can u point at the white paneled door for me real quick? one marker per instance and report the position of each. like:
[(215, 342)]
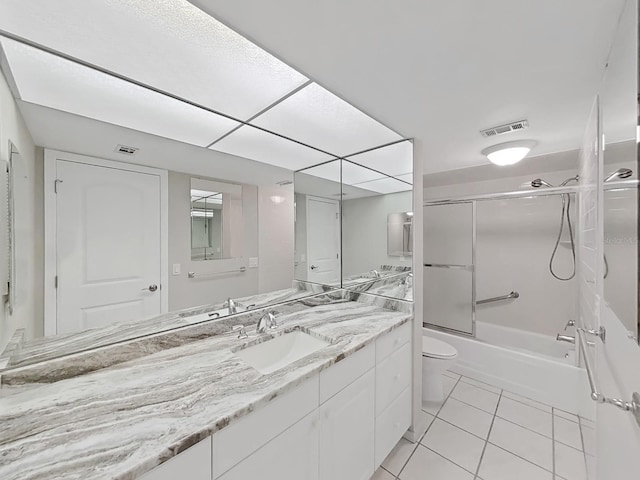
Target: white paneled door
[(108, 245), (323, 240)]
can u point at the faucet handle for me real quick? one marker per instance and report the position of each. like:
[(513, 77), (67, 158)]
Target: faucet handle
[(273, 323), (242, 329), (570, 323)]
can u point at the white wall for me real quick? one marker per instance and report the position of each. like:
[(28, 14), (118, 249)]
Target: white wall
[(301, 237), (364, 231), (28, 310)]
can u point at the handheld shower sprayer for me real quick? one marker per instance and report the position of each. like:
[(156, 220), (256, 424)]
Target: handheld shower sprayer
[(620, 173)]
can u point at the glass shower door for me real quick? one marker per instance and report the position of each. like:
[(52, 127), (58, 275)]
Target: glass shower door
[(449, 266)]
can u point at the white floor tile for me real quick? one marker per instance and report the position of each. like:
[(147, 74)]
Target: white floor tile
[(527, 401), (425, 464), (525, 416), (468, 418), (476, 396), (431, 408), (588, 440), (570, 463), (455, 444), (477, 383), (565, 415), (567, 432), (382, 474), (498, 464), (399, 456), (424, 422), (523, 442), (447, 385)]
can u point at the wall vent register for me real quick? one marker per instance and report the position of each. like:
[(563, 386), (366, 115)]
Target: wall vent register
[(508, 128), (126, 150)]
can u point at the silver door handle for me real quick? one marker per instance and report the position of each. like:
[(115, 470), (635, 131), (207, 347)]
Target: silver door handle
[(151, 288), (313, 267)]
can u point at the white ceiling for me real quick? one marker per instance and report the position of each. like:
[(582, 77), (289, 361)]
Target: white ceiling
[(441, 71), (176, 48)]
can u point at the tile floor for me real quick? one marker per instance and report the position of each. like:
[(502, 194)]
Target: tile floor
[(481, 432)]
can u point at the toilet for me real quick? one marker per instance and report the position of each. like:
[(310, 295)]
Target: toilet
[(437, 356)]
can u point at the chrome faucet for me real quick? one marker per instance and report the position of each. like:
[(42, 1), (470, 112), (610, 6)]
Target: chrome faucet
[(268, 320), (570, 323), (376, 274), (242, 332), (565, 338), (231, 305)]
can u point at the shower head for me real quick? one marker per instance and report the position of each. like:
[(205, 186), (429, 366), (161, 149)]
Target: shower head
[(572, 179), (620, 173), (538, 182)]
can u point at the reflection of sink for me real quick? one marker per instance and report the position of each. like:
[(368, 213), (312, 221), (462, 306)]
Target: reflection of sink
[(279, 352)]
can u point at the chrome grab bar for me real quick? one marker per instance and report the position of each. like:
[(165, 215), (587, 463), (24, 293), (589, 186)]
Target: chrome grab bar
[(633, 406), (196, 275), (513, 294)]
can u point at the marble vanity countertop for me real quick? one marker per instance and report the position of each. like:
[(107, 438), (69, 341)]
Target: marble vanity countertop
[(122, 421), (47, 348)]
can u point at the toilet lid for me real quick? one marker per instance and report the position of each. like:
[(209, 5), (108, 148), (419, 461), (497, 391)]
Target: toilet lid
[(432, 347)]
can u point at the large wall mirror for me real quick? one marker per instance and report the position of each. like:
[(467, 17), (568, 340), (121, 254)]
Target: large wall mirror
[(620, 187), (216, 220), (375, 227), (216, 154)]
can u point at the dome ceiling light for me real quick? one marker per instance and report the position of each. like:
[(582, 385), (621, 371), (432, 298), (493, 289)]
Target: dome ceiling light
[(508, 153)]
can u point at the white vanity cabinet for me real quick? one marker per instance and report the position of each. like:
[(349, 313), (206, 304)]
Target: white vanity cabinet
[(338, 425), (192, 464), (347, 432)]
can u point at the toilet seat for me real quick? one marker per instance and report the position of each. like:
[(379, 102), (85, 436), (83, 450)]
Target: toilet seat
[(434, 348)]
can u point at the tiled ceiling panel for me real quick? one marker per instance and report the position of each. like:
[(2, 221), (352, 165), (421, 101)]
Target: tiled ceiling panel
[(385, 185), (169, 44), (317, 117), (394, 160), (53, 82), (255, 144)]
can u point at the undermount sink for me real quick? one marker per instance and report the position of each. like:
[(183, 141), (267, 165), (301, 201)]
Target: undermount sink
[(274, 354)]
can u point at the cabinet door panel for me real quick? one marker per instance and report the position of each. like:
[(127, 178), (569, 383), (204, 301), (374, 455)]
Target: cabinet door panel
[(347, 432), (292, 455), (193, 464), (392, 424)]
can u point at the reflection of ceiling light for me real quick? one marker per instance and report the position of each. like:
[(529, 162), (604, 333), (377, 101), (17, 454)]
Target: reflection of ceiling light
[(277, 199), (409, 214), (508, 153)]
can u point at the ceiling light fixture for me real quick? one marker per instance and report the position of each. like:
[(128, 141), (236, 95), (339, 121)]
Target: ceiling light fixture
[(508, 153)]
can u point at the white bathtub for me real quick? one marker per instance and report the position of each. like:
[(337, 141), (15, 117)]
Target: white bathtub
[(533, 367)]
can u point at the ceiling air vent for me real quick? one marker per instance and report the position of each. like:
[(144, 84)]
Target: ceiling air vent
[(284, 183), (502, 129), (125, 150)]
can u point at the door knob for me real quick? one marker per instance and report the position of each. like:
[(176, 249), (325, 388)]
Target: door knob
[(313, 267), (152, 288)]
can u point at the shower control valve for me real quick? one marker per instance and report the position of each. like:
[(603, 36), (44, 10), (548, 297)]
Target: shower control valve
[(570, 323)]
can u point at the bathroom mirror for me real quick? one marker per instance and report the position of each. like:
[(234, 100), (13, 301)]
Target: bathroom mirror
[(400, 234), (318, 256), (223, 183), (377, 233), (620, 182), (216, 220)]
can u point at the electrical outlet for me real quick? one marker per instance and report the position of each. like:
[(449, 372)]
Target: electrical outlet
[(253, 262)]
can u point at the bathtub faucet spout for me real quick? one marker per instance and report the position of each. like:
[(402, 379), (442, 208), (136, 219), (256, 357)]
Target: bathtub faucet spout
[(566, 338)]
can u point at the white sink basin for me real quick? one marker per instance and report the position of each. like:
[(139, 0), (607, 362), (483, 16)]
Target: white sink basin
[(279, 352)]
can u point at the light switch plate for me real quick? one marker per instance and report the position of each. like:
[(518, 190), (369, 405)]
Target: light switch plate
[(176, 269), (253, 262)]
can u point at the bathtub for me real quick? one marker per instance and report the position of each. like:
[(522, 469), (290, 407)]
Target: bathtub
[(525, 363)]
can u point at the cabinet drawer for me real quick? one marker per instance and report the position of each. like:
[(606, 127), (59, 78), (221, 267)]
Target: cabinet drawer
[(389, 343), (391, 425), (347, 371), (241, 438), (194, 463), (393, 375)]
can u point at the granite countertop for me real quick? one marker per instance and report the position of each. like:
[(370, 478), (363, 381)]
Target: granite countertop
[(123, 420)]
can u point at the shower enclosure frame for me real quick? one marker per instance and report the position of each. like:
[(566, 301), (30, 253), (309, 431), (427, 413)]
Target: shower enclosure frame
[(499, 196)]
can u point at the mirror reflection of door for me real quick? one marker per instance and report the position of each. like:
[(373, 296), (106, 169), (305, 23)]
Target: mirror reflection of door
[(323, 240), (107, 245)]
